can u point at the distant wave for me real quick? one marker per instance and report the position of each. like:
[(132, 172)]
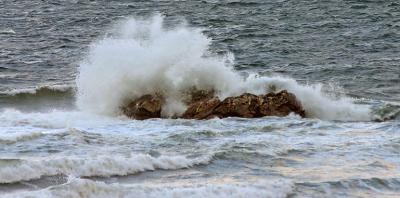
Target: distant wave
[(141, 57), (39, 90), (43, 92), (7, 31), (3, 69)]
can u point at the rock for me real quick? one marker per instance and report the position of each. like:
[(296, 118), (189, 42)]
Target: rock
[(281, 104), (145, 107), (246, 106), (202, 109), (204, 105)]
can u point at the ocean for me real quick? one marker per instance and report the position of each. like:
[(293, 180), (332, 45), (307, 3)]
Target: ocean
[(67, 67)]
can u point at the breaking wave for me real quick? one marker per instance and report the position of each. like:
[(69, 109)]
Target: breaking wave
[(39, 91), (103, 166), (43, 92), (14, 138), (39, 97), (7, 31), (86, 188), (141, 56)]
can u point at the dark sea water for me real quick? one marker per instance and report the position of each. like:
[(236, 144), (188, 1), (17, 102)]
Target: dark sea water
[(66, 67)]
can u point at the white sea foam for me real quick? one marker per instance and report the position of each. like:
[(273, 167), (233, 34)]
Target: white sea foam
[(18, 137), (87, 188), (13, 121), (28, 169), (142, 57)]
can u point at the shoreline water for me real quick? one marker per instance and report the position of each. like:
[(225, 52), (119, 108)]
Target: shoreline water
[(66, 67)]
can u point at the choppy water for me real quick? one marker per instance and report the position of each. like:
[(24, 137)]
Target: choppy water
[(66, 66)]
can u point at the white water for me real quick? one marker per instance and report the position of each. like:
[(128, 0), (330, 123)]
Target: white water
[(28, 169), (91, 145), (49, 148), (87, 188), (141, 57)]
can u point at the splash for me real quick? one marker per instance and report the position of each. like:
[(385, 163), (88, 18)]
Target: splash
[(142, 57)]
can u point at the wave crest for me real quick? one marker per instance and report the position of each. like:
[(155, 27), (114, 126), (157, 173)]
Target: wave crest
[(39, 92), (39, 97), (23, 170)]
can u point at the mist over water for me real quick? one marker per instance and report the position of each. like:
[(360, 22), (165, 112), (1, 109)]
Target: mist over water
[(67, 67)]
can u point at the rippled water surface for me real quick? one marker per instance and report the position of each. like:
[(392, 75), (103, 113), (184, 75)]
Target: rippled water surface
[(65, 66)]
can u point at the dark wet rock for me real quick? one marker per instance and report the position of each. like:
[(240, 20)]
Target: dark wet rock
[(202, 109), (281, 104), (204, 105), (246, 106), (145, 107)]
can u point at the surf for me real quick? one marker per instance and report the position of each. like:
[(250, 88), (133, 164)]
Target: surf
[(141, 56)]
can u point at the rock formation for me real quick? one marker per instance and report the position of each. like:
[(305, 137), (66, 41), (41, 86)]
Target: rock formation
[(246, 106), (145, 107), (202, 109), (204, 105)]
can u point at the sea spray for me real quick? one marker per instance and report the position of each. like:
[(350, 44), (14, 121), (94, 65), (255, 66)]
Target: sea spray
[(146, 59), (142, 57)]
